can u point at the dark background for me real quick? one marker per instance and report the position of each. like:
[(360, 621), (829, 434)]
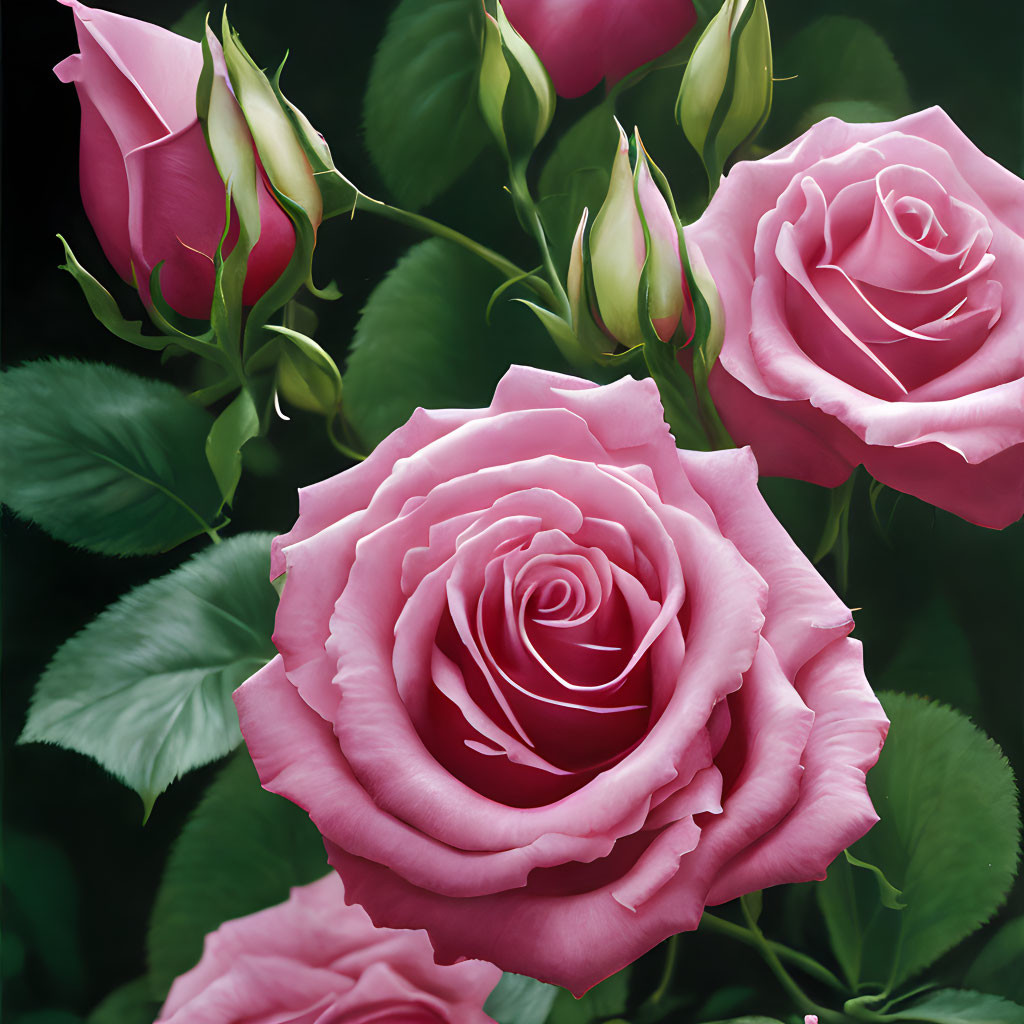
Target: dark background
[(80, 863)]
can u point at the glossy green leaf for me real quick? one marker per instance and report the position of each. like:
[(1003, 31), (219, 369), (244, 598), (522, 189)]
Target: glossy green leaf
[(241, 851), (517, 999), (958, 1006), (998, 966), (102, 459), (145, 688), (423, 340), (423, 121), (836, 66), (952, 853), (132, 1003)]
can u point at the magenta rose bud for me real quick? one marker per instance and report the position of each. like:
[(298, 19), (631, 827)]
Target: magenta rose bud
[(313, 958), (149, 184), (582, 41), (549, 686), (870, 275)]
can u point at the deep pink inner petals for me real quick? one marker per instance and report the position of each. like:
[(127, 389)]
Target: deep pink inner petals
[(888, 281), (540, 676)]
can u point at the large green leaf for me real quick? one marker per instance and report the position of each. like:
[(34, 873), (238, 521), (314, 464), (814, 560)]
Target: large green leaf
[(146, 687), (998, 967), (836, 65), (517, 999), (956, 1006), (102, 459), (947, 839), (241, 851), (423, 123), (423, 340)]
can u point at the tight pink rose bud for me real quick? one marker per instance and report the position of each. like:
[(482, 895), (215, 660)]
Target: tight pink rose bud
[(582, 41), (313, 958), (618, 250), (149, 184)]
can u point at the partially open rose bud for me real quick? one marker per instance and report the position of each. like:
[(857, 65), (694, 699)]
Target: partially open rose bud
[(149, 183), (619, 249)]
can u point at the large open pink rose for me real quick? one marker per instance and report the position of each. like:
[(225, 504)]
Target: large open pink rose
[(548, 686), (580, 42), (870, 276), (313, 959), (149, 184)]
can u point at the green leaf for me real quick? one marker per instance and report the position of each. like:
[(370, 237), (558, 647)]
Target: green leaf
[(517, 999), (958, 1006), (423, 341), (104, 307), (130, 1004), (241, 851), (602, 1002), (145, 688), (888, 894), (238, 423), (423, 123), (842, 67), (951, 854), (102, 459), (998, 966), (576, 175)]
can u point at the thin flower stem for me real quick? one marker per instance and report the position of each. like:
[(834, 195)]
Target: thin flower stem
[(433, 227), (340, 445), (785, 979), (671, 956), (807, 964)]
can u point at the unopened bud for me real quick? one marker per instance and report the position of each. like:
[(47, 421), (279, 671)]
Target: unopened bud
[(516, 94), (726, 92)]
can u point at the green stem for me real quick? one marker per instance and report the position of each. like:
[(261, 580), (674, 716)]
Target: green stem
[(671, 955), (785, 979), (527, 210), (807, 964), (433, 227)]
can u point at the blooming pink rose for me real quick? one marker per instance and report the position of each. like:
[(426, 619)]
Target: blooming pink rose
[(314, 960), (149, 184), (548, 686), (580, 42), (873, 314)]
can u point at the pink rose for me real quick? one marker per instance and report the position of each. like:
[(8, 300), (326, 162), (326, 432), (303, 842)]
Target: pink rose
[(548, 686), (870, 279), (314, 959), (582, 41), (149, 184)]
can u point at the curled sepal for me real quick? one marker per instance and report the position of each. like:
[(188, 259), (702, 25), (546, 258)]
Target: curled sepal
[(104, 306), (337, 193), (280, 149), (516, 95), (726, 92)]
